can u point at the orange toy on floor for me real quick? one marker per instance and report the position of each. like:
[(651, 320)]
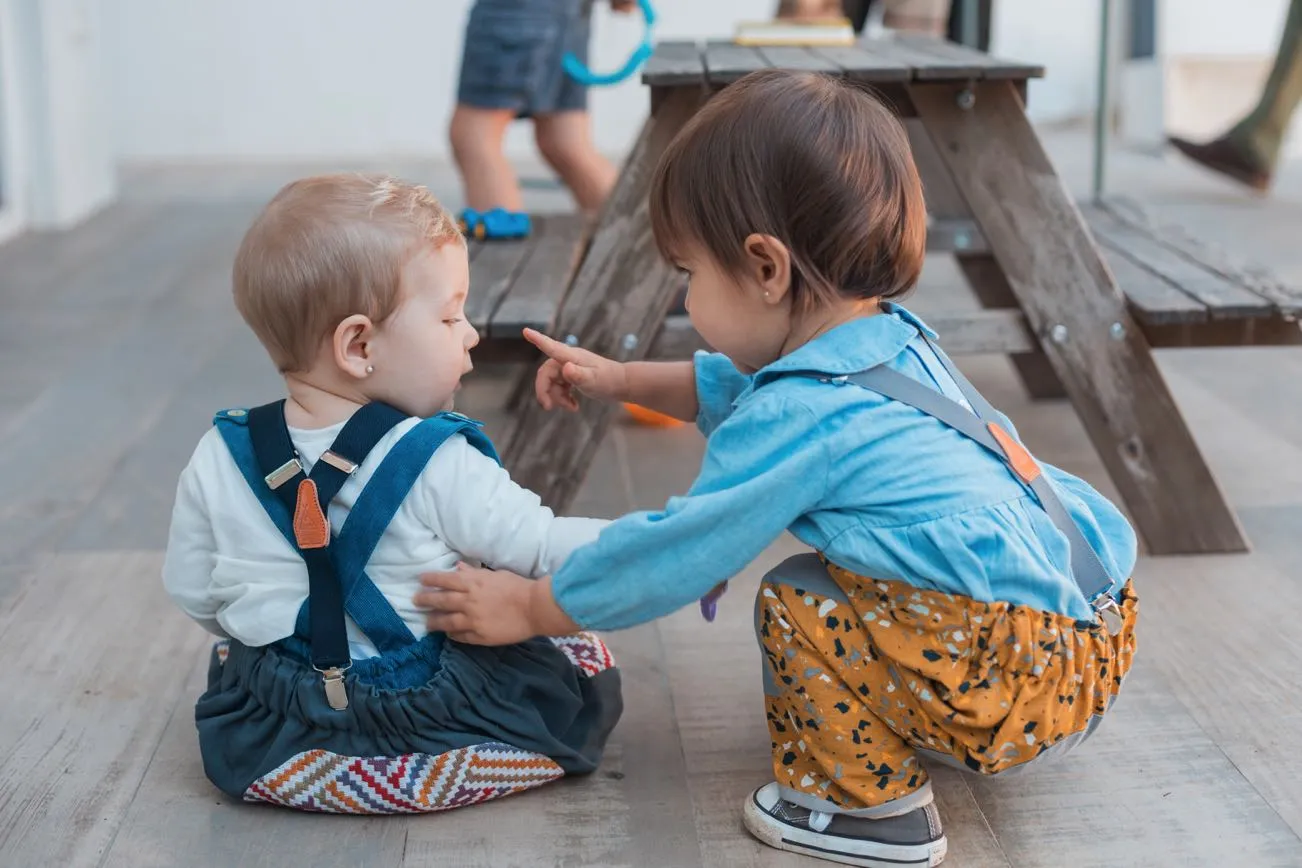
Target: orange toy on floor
[(643, 416)]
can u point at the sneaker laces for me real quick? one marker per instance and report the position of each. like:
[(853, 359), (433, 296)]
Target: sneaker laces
[(817, 821)]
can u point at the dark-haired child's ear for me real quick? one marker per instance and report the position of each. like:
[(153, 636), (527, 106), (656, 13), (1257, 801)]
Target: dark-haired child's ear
[(351, 344), (769, 264)]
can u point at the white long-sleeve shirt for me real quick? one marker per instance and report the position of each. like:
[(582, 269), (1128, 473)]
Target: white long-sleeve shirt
[(231, 569)]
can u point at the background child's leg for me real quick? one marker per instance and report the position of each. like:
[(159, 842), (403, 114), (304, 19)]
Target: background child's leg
[(565, 141), (487, 177)]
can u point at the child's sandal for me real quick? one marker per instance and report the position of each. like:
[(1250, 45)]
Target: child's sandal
[(494, 224)]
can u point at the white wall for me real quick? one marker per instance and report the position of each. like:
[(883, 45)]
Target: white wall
[(1065, 40), (55, 112), (329, 78), (1218, 28), (274, 79)]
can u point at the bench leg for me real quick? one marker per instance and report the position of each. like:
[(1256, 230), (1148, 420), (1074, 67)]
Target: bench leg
[(991, 287), (615, 306), (945, 202), (1057, 276)]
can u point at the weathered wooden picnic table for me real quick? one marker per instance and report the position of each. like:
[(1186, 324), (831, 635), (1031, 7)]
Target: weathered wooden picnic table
[(994, 201)]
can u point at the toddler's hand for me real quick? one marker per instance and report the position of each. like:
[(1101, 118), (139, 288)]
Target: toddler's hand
[(568, 368), (479, 606)]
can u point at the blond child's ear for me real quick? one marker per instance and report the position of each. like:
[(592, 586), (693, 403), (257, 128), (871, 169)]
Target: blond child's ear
[(351, 346), (769, 266)]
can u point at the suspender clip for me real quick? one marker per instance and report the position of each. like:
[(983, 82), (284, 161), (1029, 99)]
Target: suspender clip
[(1109, 613), (335, 690), (282, 474), (338, 462)]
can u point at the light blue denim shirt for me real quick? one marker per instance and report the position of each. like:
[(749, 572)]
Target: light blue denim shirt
[(880, 488)]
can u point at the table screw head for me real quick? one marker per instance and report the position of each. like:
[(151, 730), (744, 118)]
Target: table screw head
[(1058, 334), (966, 99)]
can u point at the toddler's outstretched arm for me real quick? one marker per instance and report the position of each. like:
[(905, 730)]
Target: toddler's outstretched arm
[(666, 387)]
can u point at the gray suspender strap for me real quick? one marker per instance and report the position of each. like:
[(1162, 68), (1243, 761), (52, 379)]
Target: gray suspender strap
[(982, 425)]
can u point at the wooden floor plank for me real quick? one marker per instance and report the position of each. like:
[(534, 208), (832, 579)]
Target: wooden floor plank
[(1149, 788), (56, 310), (179, 818), (1244, 407), (632, 811), (89, 699), (133, 507), (56, 463), (39, 263), (1240, 695), (1246, 383)]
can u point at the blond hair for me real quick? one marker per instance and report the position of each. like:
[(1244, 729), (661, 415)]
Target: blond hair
[(326, 248)]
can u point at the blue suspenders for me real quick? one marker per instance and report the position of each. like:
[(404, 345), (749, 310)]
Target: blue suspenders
[(982, 424), (259, 442)]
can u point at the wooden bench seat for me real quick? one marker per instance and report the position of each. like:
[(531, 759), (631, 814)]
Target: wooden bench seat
[(1181, 291), (519, 284), (1186, 292)]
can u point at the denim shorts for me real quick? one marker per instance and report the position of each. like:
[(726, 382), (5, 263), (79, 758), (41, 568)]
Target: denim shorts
[(512, 55)]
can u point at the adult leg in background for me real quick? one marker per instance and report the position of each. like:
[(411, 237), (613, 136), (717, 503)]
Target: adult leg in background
[(1248, 153)]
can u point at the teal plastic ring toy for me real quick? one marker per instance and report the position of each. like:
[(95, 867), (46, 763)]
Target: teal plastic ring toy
[(578, 71)]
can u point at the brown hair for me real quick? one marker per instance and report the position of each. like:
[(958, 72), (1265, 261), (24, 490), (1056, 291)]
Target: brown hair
[(326, 248), (819, 164)]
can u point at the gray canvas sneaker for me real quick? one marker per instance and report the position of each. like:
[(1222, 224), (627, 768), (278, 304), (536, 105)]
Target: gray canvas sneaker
[(912, 839)]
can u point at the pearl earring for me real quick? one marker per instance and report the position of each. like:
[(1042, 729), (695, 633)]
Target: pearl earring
[(370, 369)]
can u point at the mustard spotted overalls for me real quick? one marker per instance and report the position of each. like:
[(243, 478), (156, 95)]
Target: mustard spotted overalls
[(864, 679)]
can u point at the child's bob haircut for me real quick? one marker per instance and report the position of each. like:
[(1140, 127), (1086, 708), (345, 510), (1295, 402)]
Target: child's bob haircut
[(820, 165), (326, 248)]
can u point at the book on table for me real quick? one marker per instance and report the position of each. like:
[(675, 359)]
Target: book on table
[(821, 31)]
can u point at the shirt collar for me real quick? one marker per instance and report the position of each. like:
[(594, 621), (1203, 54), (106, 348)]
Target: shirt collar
[(851, 347)]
